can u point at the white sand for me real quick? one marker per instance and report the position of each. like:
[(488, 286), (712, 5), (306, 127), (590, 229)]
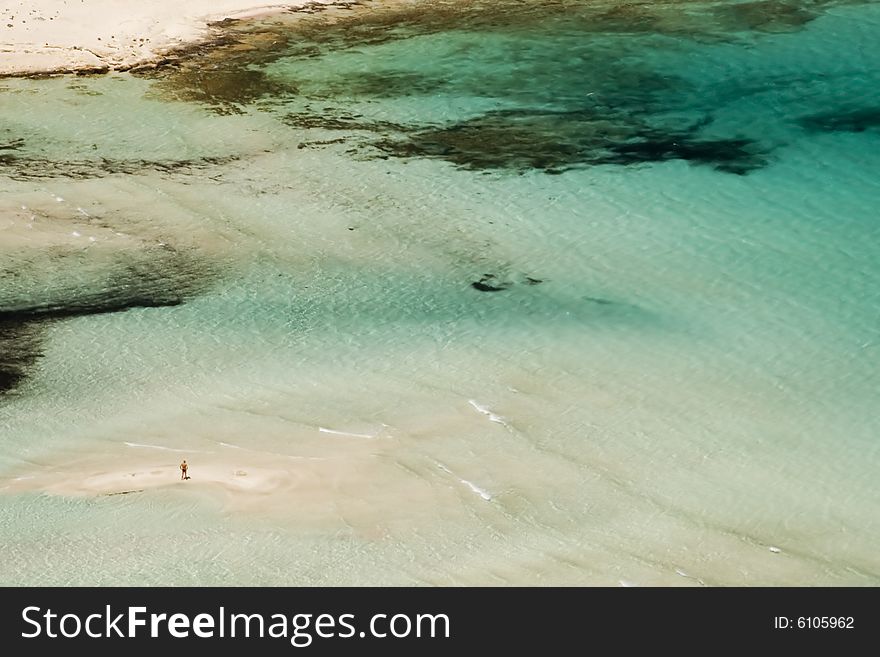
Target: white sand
[(147, 474), (65, 35), (353, 483), (235, 478)]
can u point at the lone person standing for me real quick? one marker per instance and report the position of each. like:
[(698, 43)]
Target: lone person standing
[(183, 470)]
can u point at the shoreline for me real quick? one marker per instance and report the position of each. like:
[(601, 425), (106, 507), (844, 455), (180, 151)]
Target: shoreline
[(102, 36), (231, 477)]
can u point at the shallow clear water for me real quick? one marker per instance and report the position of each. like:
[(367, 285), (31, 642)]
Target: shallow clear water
[(595, 290)]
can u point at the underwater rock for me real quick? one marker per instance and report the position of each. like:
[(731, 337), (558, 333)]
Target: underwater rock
[(854, 120), (488, 283), (555, 141)]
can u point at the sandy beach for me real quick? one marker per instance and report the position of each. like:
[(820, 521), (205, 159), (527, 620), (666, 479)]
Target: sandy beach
[(41, 36), (439, 293)]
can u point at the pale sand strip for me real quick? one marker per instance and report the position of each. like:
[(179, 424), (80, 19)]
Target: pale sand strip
[(105, 476), (235, 480), (353, 483), (38, 36)]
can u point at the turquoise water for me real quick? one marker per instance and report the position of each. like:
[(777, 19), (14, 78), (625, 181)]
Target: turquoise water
[(583, 294)]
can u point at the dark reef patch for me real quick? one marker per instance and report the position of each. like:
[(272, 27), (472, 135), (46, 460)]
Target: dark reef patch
[(91, 305), (568, 74), (19, 350), (320, 143), (83, 89), (768, 15), (495, 283), (556, 141), (739, 156), (489, 283), (328, 119), (153, 278), (7, 150), (551, 141), (224, 73), (21, 328), (21, 166), (853, 120), (222, 88), (227, 73), (680, 18), (64, 282), (377, 84)]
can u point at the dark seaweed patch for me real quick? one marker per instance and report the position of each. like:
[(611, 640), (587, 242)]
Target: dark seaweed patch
[(156, 276), (20, 329), (379, 84), (328, 119), (668, 17), (160, 278), (494, 283), (223, 88), (83, 89), (489, 283), (223, 74), (19, 166), (626, 100), (739, 156), (320, 143), (522, 140), (6, 150), (856, 120), (94, 305), (550, 141), (768, 15), (19, 350), (226, 73)]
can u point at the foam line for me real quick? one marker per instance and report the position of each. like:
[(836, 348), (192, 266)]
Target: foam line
[(482, 492), (346, 433), (488, 413), (479, 491), (164, 449)]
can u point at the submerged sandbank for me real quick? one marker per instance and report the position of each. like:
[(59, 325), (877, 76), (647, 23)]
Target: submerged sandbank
[(699, 346)]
